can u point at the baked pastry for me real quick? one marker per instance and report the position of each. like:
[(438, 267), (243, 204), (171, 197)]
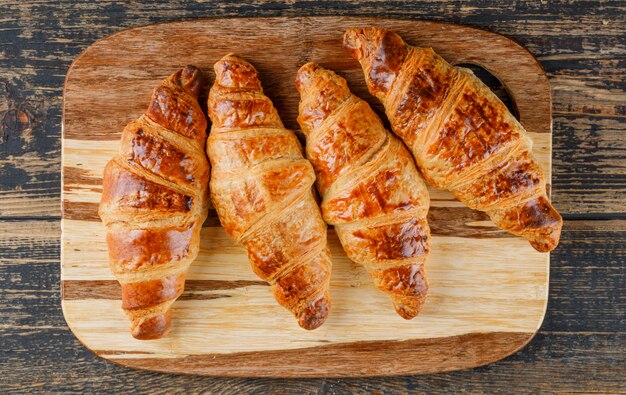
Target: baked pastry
[(154, 201), (461, 135), (372, 192), (261, 187)]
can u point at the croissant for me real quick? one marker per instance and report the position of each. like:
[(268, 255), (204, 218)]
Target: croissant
[(154, 201), (372, 192), (461, 135), (261, 188)]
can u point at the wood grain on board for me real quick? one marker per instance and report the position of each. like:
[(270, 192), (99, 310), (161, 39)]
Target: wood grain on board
[(482, 305)]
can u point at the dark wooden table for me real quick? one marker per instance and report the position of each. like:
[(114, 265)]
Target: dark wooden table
[(582, 46)]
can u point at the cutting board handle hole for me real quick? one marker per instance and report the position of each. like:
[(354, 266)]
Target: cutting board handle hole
[(495, 85)]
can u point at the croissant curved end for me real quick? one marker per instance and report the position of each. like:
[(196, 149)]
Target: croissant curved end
[(408, 312), (551, 231), (381, 53), (543, 245), (232, 71), (152, 328), (313, 315), (535, 220), (547, 239), (352, 42), (304, 77), (191, 79), (367, 41), (408, 306)]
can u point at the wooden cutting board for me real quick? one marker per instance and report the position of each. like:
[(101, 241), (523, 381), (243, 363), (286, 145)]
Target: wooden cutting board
[(488, 289)]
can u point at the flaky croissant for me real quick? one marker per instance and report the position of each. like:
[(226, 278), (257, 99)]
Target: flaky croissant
[(261, 187), (372, 192), (154, 201), (462, 136)]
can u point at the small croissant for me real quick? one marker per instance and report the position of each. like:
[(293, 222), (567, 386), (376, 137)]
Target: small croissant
[(261, 187), (372, 192), (461, 135), (154, 201)]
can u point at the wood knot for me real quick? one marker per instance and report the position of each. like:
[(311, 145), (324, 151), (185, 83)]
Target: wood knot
[(15, 123), (15, 120)]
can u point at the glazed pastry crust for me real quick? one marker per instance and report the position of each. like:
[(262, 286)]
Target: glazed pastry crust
[(261, 187), (154, 201), (461, 135), (372, 192)]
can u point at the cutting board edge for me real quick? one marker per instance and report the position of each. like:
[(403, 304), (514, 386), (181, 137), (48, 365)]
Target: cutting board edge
[(208, 365), (518, 47), (523, 338)]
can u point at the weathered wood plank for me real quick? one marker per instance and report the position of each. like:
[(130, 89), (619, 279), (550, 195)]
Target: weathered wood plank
[(589, 164), (581, 46), (588, 278), (29, 157)]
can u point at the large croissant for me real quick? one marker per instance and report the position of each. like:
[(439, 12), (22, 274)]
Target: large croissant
[(154, 201), (261, 187), (372, 192), (462, 136)]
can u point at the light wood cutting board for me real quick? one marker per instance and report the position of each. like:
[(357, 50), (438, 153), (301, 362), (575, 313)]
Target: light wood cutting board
[(488, 289)]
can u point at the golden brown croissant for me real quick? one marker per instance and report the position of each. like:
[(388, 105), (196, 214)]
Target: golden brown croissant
[(261, 187), (462, 136), (154, 201), (372, 192)]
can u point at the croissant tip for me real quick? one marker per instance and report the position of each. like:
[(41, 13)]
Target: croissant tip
[(308, 67), (314, 314), (409, 307), (304, 74), (545, 245), (152, 328), (191, 78), (231, 55), (351, 38), (191, 69), (408, 312), (227, 59), (232, 71), (356, 40), (539, 221)]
